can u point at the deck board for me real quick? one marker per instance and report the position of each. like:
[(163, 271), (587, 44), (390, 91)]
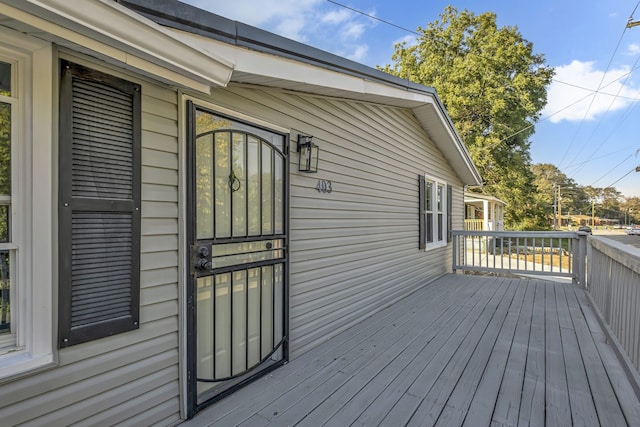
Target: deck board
[(462, 372), (583, 411), (352, 410), (483, 402), (558, 409), (604, 395), (486, 366), (390, 396), (507, 405), (533, 389), (463, 350), (447, 361)]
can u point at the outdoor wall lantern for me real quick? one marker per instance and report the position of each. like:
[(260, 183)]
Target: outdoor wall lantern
[(308, 152)]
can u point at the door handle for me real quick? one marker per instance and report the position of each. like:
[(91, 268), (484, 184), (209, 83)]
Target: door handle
[(203, 265), (201, 257)]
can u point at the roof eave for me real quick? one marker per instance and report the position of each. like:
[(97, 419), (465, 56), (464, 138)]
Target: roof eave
[(124, 36), (288, 63)]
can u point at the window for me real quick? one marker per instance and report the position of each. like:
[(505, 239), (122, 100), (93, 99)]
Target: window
[(26, 204), (435, 212), (99, 181)]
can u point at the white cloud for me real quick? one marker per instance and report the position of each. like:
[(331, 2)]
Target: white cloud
[(572, 95), (359, 53), (314, 22), (408, 40), (257, 12), (633, 49), (336, 16), (352, 30)]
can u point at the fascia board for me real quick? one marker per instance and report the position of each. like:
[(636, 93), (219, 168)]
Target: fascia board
[(132, 38), (305, 76), (481, 198)]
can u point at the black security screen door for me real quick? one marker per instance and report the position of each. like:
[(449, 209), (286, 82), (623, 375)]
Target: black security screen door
[(237, 223)]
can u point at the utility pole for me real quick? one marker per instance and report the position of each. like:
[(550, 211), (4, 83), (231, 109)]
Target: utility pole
[(555, 207), (632, 23), (560, 205)]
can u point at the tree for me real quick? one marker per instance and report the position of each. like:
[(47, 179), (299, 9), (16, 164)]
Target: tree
[(630, 208), (557, 193), (494, 88)]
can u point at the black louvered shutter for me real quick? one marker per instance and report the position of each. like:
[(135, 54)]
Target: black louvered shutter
[(449, 212), (422, 215), (99, 180)]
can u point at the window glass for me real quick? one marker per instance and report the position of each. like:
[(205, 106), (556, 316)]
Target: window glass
[(5, 198), (5, 169), (428, 199), (5, 79), (440, 216), (5, 290)]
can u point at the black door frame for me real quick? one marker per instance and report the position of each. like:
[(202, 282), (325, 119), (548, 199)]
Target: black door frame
[(191, 315)]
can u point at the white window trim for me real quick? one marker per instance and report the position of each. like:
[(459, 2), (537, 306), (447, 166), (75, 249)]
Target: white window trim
[(430, 180), (32, 205)]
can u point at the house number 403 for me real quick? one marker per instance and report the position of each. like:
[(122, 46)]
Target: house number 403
[(324, 186)]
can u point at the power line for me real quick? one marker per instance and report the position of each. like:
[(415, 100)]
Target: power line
[(595, 91), (601, 157), (612, 169), (368, 15), (620, 179), (575, 136), (609, 109)]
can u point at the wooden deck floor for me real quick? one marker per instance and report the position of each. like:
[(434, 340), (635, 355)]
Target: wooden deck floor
[(463, 351)]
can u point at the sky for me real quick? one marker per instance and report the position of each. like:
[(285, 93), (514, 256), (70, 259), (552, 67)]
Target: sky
[(590, 128)]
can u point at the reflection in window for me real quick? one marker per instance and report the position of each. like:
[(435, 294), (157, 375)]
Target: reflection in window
[(5, 79), (5, 289), (428, 207), (5, 169), (5, 198)]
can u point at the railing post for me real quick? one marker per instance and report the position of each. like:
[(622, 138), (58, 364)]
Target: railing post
[(454, 250), (580, 260)]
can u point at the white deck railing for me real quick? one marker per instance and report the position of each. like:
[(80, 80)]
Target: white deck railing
[(474, 224), (613, 282), (560, 254)]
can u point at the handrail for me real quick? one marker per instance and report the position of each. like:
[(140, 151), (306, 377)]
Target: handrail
[(553, 253)]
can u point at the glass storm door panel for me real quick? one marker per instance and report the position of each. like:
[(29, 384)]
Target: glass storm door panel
[(238, 287)]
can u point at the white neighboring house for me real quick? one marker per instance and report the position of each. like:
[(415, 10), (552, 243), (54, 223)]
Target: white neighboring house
[(483, 212), (188, 202)]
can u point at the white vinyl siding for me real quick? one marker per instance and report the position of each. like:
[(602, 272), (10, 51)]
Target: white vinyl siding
[(130, 378), (355, 250)]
